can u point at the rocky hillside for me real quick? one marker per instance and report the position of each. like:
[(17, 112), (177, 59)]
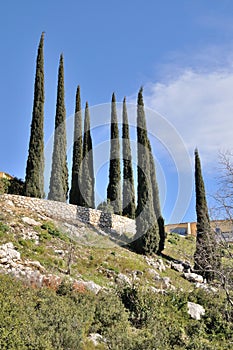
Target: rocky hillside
[(43, 252)]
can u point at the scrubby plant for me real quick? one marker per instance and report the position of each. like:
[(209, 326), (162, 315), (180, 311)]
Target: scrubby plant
[(106, 207)]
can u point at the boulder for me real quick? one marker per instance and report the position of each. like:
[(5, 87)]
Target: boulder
[(123, 279), (206, 287), (157, 264), (177, 267), (193, 277), (166, 282), (195, 310), (8, 251), (157, 290), (92, 286), (30, 221), (96, 338)]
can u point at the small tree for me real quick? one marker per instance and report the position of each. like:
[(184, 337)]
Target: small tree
[(114, 185), (128, 181), (88, 180), (75, 196), (34, 179), (156, 200), (146, 240), (206, 257), (58, 188)]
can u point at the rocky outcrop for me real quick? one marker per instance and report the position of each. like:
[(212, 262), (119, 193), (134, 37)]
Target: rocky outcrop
[(156, 263), (193, 277), (195, 310), (33, 273)]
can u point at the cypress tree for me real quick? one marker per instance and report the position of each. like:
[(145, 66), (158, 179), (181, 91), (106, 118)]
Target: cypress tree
[(114, 185), (147, 231), (58, 188), (77, 153), (88, 180), (128, 181), (34, 179), (206, 257), (156, 201)]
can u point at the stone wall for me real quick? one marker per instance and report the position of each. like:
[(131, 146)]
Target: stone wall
[(70, 213)]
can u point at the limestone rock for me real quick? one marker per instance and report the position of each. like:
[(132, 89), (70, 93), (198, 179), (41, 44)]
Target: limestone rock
[(157, 290), (177, 267), (123, 279), (157, 264), (153, 273), (166, 281), (206, 287), (8, 251), (36, 264), (9, 203), (92, 286), (30, 221), (96, 338), (193, 277), (195, 310)]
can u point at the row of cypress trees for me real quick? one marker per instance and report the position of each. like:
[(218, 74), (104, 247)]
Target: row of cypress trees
[(150, 235), (149, 221)]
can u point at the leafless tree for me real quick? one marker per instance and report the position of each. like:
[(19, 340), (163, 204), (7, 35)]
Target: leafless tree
[(223, 209)]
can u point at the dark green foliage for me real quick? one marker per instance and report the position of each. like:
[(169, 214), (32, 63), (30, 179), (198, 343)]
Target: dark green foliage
[(58, 188), (206, 257), (12, 186), (77, 153), (3, 227), (133, 318), (16, 186), (162, 233), (4, 184), (114, 185), (40, 319), (147, 230), (34, 179), (88, 179), (128, 181), (156, 201), (49, 230)]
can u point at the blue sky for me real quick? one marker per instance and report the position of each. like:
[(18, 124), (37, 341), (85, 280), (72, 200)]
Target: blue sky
[(181, 51)]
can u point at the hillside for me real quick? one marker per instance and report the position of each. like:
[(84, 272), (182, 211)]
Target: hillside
[(69, 285)]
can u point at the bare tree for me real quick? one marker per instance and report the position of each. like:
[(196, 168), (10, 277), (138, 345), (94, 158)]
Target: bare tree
[(224, 195), (223, 209)]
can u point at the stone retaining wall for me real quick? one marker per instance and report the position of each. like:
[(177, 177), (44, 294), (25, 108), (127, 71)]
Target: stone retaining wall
[(70, 213)]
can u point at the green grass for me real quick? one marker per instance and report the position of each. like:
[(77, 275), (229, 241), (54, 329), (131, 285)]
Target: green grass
[(179, 247)]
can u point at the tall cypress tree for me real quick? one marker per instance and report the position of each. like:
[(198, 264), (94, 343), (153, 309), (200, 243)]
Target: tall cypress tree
[(156, 200), (114, 185), (88, 180), (128, 181), (58, 188), (147, 230), (77, 153), (206, 257), (34, 179)]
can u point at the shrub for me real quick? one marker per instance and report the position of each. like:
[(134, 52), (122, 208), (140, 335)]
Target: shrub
[(12, 186), (106, 207), (50, 230)]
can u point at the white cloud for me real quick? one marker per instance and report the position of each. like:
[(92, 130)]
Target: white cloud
[(200, 106)]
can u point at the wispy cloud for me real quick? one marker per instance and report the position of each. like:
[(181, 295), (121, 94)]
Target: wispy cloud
[(200, 106)]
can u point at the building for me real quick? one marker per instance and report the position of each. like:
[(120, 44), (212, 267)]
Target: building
[(183, 229), (223, 229), (4, 175)]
